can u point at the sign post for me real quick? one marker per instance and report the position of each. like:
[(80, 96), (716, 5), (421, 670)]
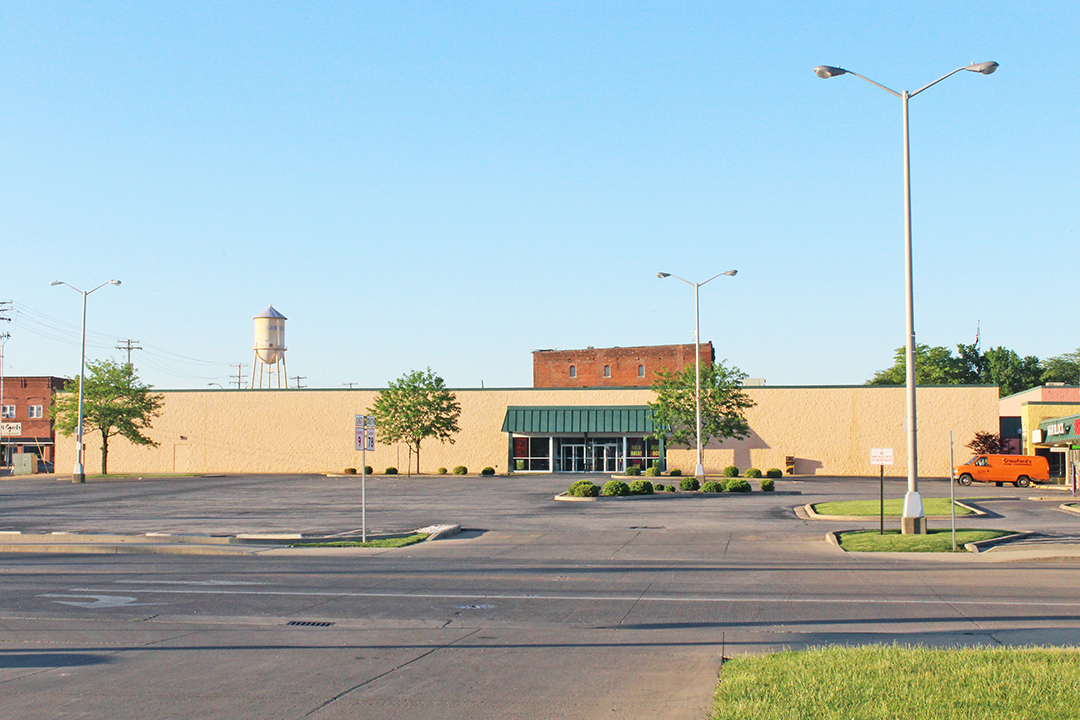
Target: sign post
[(365, 440), (881, 457)]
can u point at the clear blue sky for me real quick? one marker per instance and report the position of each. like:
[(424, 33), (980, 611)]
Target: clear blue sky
[(457, 184)]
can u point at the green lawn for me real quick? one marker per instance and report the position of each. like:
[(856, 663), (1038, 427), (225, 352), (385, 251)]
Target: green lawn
[(902, 683), (894, 507), (383, 543), (933, 541)]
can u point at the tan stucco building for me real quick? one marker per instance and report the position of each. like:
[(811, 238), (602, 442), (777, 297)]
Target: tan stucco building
[(828, 430)]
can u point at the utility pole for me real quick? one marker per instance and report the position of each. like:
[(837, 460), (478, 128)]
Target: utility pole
[(239, 378), (4, 308), (298, 378), (128, 345), (351, 385)]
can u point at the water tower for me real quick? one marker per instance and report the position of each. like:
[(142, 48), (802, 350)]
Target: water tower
[(269, 349)]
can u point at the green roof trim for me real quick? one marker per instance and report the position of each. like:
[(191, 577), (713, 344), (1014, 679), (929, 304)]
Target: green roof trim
[(635, 419)]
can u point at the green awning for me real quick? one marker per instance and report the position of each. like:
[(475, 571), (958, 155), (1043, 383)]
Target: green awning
[(628, 419), (1060, 431)]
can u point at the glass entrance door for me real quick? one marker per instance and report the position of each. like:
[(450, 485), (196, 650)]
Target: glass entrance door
[(572, 457), (606, 456)]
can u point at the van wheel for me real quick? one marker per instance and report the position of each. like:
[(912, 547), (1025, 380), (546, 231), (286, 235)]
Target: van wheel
[(964, 479), (1023, 481)]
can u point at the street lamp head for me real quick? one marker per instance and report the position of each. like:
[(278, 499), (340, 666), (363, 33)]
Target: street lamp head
[(114, 282), (731, 273), (986, 68), (828, 71), (54, 283), (663, 275)]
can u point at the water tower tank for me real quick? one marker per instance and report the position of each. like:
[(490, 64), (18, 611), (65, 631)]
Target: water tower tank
[(270, 335)]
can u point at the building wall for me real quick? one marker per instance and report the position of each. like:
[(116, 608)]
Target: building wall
[(551, 368), (829, 430), (23, 433), (1010, 405)]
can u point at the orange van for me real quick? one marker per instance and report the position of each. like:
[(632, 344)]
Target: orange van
[(1020, 470)]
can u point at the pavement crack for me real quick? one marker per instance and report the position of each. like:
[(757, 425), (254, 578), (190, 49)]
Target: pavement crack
[(392, 670)]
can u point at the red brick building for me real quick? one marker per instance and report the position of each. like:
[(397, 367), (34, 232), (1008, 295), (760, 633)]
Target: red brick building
[(612, 367), (25, 425)]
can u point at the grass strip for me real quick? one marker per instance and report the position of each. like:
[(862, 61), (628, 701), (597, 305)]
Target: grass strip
[(893, 682), (932, 541), (381, 543), (894, 507)]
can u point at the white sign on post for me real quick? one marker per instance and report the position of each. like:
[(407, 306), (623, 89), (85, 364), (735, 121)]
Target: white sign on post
[(881, 456)]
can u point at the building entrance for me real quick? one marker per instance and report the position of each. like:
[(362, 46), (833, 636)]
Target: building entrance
[(606, 456), (572, 457)]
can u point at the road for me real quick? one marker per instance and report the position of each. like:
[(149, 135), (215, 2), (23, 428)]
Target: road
[(537, 609)]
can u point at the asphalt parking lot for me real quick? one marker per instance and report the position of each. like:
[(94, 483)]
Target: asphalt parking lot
[(536, 609)]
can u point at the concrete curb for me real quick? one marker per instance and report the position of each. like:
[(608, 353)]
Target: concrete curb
[(684, 494), (833, 538), (808, 511), (173, 544), (981, 545), (1070, 508)]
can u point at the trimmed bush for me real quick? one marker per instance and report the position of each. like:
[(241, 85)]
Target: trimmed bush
[(659, 487), (615, 488), (583, 488), (774, 473), (641, 487), (653, 471), (675, 472), (440, 471), (753, 473), (488, 471), (767, 485), (671, 488), (689, 483), (350, 471), (736, 485), (633, 470), (731, 471), (461, 470), (390, 471), (711, 486)]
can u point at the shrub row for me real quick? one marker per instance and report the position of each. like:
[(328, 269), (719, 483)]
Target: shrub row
[(617, 488)]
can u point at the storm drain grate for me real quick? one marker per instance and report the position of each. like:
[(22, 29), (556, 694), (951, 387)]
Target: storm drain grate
[(310, 623)]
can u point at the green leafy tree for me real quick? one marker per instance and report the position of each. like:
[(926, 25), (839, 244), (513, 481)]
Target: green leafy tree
[(933, 366), (723, 404), (415, 407), (115, 403), (1062, 368), (938, 366)]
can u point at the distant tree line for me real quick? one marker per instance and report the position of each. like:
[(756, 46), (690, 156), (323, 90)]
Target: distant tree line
[(969, 366)]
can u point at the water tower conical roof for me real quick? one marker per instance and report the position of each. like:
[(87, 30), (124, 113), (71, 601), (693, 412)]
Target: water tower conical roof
[(270, 312)]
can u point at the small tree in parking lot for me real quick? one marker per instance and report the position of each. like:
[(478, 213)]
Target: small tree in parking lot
[(723, 404), (415, 407), (115, 402)]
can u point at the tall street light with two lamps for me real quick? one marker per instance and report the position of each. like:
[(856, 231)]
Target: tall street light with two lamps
[(699, 471), (78, 475), (914, 521)]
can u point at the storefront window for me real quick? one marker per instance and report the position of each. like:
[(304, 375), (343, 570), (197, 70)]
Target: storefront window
[(532, 454)]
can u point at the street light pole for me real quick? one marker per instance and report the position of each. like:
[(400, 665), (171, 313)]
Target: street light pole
[(78, 474), (699, 469), (913, 520)]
